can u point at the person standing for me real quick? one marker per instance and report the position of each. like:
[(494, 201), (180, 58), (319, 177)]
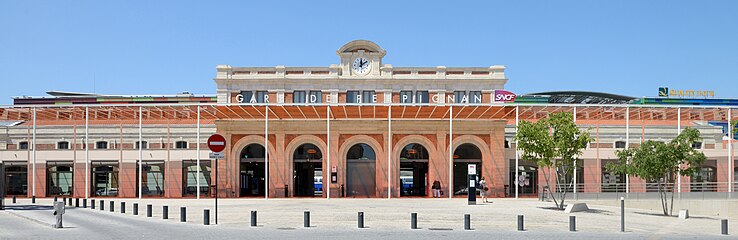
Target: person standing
[(436, 189), (483, 186)]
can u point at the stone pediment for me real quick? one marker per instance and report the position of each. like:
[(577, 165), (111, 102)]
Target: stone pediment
[(361, 45)]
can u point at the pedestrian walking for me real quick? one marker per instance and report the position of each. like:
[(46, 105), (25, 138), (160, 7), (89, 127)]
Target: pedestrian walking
[(483, 186), (436, 189)]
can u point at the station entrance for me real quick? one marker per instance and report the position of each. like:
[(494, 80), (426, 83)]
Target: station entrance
[(361, 173), (252, 177), (464, 155), (16, 178), (308, 171), (414, 170)]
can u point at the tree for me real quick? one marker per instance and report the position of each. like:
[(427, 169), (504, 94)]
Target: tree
[(661, 162), (554, 142)]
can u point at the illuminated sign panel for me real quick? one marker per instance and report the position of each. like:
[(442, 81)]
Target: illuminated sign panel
[(666, 92)]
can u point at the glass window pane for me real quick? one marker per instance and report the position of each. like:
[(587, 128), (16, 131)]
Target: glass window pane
[(298, 97), (459, 97), (248, 96), (261, 96), (475, 97), (367, 97), (421, 97), (352, 96), (406, 96), (315, 97)]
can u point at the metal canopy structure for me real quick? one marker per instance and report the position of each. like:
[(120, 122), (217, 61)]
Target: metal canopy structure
[(62, 115)]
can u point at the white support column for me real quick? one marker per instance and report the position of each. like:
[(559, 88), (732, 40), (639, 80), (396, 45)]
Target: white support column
[(450, 151), (679, 129), (627, 145), (87, 153), (731, 160), (197, 154), (328, 149), (389, 151), (140, 150), (517, 155), (266, 152), (575, 159), (33, 152)]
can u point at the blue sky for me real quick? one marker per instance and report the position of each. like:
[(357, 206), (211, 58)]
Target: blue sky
[(165, 47)]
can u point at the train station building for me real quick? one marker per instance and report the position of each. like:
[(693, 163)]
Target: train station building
[(358, 128)]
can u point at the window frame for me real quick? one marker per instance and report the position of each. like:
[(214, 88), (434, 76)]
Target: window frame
[(144, 143), (97, 145), (186, 144), (58, 145)]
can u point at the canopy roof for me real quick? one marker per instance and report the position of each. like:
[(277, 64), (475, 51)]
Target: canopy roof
[(211, 112)]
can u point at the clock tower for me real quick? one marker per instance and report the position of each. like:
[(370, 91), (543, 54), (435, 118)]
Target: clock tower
[(361, 58)]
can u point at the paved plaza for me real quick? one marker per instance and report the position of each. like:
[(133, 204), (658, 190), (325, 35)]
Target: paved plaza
[(337, 219)]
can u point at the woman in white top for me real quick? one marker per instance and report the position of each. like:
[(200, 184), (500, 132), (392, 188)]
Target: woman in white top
[(483, 187)]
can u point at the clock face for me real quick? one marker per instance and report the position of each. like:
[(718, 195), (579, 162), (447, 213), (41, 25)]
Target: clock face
[(361, 65)]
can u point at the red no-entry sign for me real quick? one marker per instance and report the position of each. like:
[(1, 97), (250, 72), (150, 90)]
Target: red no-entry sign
[(216, 143)]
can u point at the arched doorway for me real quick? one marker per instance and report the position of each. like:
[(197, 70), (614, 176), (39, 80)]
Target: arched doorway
[(464, 155), (252, 166), (414, 170), (308, 171), (361, 171)]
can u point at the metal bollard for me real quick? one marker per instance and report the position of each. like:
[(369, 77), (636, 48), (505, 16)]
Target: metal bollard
[(165, 212), (122, 207), (148, 210), (102, 205), (70, 202), (573, 223), (253, 218), (622, 214), (13, 199), (84, 203), (135, 209), (33, 199), (361, 220), (112, 206), (65, 200), (183, 214), (724, 226), (306, 219), (76, 202), (206, 217), (413, 220), (56, 199), (467, 221), (520, 223), (92, 203)]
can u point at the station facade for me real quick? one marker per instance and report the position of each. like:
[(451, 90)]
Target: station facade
[(360, 128)]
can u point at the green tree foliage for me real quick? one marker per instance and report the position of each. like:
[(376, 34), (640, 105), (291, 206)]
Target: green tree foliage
[(554, 142), (656, 161)]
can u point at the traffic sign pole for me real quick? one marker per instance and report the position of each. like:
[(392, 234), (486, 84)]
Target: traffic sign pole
[(216, 143)]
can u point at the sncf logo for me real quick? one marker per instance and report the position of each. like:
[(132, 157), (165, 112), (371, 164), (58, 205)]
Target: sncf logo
[(504, 96)]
